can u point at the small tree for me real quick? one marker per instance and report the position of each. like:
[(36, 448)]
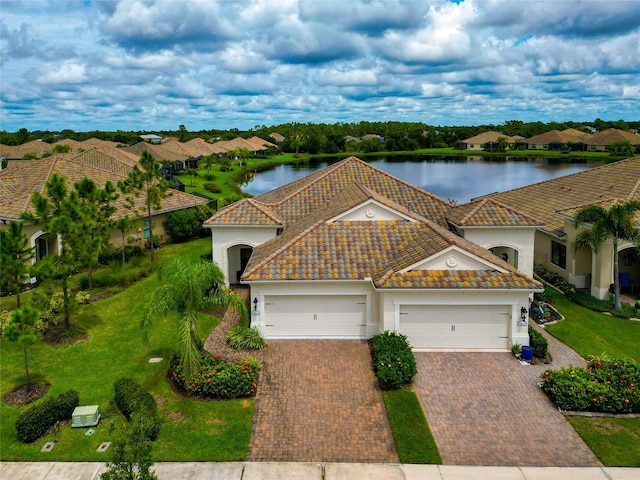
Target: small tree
[(616, 223), (145, 179), (131, 453), (22, 329), (15, 255)]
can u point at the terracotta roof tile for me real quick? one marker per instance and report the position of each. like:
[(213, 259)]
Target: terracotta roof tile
[(244, 212), (22, 178), (459, 279), (486, 212), (542, 200)]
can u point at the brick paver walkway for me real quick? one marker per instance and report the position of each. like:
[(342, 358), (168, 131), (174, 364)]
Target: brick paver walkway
[(486, 409), (317, 401)]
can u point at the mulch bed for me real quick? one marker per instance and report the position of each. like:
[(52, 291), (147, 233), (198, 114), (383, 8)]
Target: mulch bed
[(59, 336), (23, 395)]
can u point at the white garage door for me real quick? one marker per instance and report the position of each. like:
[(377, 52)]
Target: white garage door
[(455, 326), (315, 316)]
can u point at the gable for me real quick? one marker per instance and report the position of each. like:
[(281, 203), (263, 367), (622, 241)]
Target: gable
[(452, 258), (370, 211)]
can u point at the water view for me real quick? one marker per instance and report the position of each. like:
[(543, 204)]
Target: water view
[(460, 179)]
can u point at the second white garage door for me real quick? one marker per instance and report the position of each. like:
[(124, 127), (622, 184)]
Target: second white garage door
[(456, 326), (315, 316)]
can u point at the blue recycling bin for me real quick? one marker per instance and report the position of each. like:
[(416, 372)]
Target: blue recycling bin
[(527, 352)]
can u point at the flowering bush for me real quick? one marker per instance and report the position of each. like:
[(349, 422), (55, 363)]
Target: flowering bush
[(217, 378), (393, 360), (604, 386)]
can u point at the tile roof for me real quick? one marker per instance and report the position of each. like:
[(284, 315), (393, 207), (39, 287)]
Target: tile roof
[(97, 143), (458, 279), (611, 135), (245, 212), (158, 151), (297, 199), (316, 248), (487, 212), (542, 200), (485, 137), (20, 179), (555, 136)]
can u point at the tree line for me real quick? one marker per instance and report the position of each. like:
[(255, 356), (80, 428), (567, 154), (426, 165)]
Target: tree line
[(317, 138)]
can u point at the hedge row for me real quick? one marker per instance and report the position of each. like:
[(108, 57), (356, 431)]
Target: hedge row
[(35, 422), (393, 361), (603, 386), (131, 397)]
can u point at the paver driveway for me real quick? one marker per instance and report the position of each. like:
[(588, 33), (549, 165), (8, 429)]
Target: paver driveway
[(318, 400), (486, 409)]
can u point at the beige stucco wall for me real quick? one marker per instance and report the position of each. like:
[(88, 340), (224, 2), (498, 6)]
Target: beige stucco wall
[(519, 239), (223, 238)]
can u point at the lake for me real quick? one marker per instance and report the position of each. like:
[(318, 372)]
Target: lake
[(450, 178)]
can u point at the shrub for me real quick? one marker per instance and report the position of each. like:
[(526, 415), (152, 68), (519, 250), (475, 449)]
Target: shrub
[(393, 361), (186, 224), (131, 397), (587, 301), (35, 422), (553, 278), (216, 378), (212, 187), (210, 177), (604, 386), (244, 338), (539, 344), (116, 275), (114, 254)]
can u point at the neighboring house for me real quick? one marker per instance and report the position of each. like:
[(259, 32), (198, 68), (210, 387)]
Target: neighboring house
[(276, 137), (555, 202), (254, 145), (150, 138), (21, 178), (554, 139), (351, 251), (598, 141), (373, 136), (171, 160), (484, 140)]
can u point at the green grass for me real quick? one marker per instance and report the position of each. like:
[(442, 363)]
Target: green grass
[(191, 430), (615, 441), (411, 433), (594, 333)]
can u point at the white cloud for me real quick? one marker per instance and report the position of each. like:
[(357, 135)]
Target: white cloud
[(66, 74)]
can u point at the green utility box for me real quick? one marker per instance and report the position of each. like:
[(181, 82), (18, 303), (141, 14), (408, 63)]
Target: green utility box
[(88, 416)]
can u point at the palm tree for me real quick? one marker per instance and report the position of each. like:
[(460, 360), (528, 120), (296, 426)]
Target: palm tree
[(189, 289), (616, 222)]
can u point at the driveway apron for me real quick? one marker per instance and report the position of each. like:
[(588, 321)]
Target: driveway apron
[(486, 409), (318, 401)]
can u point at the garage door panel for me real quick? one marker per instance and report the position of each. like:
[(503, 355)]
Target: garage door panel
[(315, 316), (455, 326)]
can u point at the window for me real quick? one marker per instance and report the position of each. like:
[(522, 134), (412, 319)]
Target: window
[(559, 255)]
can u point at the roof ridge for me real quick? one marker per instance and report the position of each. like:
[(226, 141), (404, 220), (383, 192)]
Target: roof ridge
[(481, 202), (265, 210), (327, 171)]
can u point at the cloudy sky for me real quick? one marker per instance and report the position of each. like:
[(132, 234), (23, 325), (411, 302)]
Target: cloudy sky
[(150, 65)]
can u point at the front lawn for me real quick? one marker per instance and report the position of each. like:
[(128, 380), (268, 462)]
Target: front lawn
[(593, 333), (615, 441), (191, 430)]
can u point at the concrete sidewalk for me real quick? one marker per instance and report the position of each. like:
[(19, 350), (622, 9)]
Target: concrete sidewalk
[(314, 471)]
